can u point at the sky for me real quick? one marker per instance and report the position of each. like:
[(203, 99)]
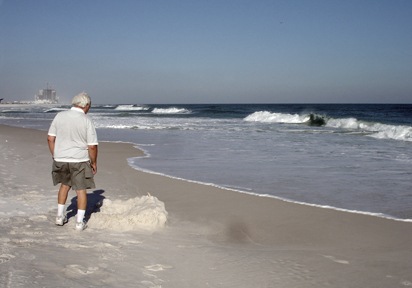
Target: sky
[(223, 51)]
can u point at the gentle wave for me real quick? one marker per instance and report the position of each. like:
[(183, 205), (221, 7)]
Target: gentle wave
[(172, 110), (14, 111), (56, 109), (140, 127), (131, 108)]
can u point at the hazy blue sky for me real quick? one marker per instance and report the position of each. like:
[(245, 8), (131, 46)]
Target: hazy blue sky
[(208, 51)]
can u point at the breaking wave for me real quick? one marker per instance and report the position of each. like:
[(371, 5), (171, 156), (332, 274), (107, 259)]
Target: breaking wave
[(268, 117), (172, 110), (378, 130), (374, 129), (131, 108)]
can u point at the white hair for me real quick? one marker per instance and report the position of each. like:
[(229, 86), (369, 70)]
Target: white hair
[(81, 100)]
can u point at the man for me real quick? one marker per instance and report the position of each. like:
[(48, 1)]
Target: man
[(73, 144)]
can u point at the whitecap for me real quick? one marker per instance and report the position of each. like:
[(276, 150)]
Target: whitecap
[(172, 110), (131, 108), (268, 117)]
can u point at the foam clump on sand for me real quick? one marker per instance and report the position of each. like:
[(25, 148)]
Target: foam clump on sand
[(146, 212)]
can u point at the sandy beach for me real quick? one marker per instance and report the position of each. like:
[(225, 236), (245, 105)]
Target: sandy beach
[(212, 237)]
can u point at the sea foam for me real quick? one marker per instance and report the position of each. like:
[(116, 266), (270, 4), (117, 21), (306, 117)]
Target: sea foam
[(140, 213)]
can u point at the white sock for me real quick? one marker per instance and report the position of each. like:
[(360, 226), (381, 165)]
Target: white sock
[(60, 210), (80, 215)]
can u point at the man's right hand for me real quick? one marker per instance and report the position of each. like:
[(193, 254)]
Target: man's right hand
[(94, 167)]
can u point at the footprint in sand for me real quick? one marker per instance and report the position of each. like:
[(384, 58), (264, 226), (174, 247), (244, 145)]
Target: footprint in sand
[(158, 267), (336, 260), (150, 284), (79, 271), (5, 258), (38, 218)]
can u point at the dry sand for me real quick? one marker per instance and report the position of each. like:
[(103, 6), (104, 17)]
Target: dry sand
[(213, 237)]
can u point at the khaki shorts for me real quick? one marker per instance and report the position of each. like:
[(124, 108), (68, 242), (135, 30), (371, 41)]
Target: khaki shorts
[(79, 176)]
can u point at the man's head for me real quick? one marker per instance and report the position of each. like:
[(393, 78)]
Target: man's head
[(81, 100)]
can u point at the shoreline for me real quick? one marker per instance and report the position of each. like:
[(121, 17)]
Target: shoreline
[(374, 214), (248, 241), (146, 154)]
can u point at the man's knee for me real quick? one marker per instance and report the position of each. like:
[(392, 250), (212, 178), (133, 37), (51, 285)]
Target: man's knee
[(81, 192)]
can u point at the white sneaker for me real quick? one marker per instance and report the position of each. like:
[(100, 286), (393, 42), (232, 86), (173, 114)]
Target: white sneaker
[(61, 220), (80, 226)]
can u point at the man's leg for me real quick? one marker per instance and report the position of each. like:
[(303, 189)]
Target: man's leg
[(61, 200), (81, 204), (63, 192)]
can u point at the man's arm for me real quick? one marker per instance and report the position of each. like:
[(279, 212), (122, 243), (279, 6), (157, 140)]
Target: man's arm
[(51, 140), (93, 157)]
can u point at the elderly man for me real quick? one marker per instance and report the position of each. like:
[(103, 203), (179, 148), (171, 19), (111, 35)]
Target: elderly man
[(73, 144)]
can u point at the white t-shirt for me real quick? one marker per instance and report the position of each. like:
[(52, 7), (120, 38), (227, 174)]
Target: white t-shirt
[(74, 131)]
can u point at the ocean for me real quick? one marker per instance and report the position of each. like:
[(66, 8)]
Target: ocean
[(354, 157)]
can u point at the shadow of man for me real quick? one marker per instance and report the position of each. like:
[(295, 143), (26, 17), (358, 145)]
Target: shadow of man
[(94, 202)]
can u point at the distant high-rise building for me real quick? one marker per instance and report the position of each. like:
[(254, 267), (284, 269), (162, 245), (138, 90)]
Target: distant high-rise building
[(47, 95)]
